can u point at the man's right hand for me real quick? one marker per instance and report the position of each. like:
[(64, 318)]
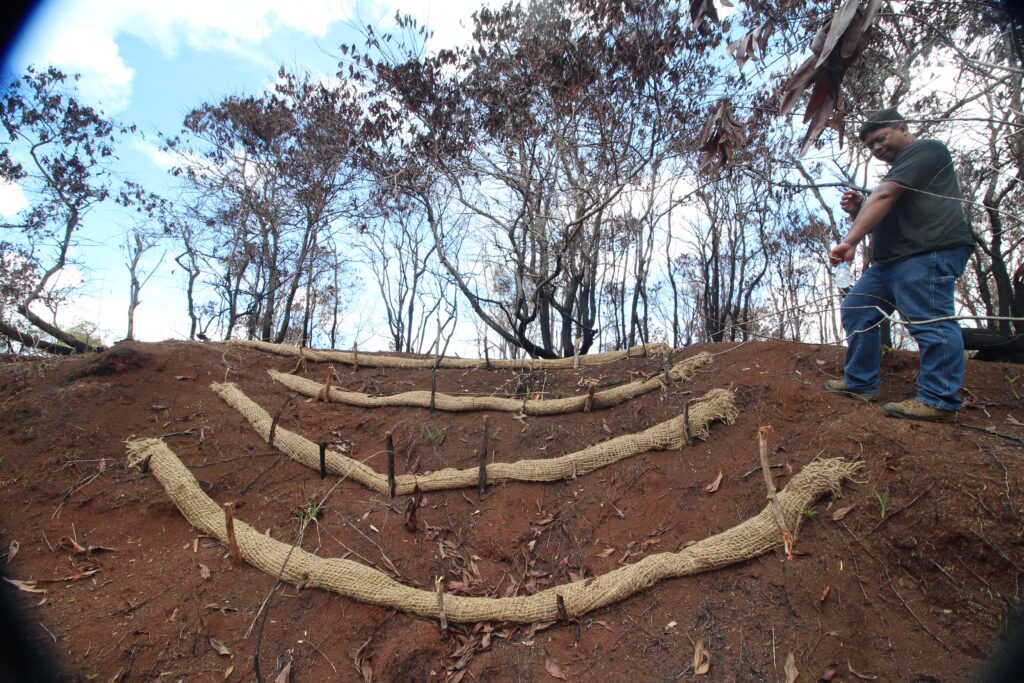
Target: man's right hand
[(851, 202), (843, 251)]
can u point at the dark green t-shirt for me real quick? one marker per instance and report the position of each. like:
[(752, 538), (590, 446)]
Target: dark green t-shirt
[(928, 215)]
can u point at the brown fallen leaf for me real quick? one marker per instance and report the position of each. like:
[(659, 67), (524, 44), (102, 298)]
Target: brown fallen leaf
[(830, 672), (220, 647), (824, 593), (415, 500), (606, 552), (228, 671), (553, 669), (12, 550), (181, 377), (842, 512), (361, 660), (204, 572), (68, 543), (701, 658), (605, 427), (23, 586), (713, 486), (285, 674), (861, 676), (790, 668)]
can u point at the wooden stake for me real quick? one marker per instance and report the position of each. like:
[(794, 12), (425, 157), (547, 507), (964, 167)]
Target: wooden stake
[(301, 362), (563, 614), (787, 535), (390, 445), (483, 460), (323, 459), (325, 393), (440, 604), (229, 522), (687, 437), (144, 465), (277, 416), (589, 403), (665, 367), (576, 353), (433, 385), (487, 356), (433, 370), (355, 356)]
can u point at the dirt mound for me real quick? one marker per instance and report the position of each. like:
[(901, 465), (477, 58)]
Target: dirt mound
[(910, 576), (122, 358)]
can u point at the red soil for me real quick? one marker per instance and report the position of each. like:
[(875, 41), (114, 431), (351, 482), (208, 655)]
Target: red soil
[(921, 594)]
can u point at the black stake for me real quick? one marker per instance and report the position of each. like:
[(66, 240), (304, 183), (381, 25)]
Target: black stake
[(277, 416), (483, 460), (390, 445), (563, 614), (323, 459), (687, 438)]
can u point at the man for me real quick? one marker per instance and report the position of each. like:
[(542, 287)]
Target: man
[(921, 243)]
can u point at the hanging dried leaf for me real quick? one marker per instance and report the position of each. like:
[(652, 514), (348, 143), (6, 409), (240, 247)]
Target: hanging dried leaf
[(701, 658), (701, 8), (720, 134), (713, 486), (790, 668), (553, 669), (750, 47), (837, 27), (849, 29)]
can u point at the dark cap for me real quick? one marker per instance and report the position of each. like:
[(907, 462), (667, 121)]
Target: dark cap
[(886, 118)]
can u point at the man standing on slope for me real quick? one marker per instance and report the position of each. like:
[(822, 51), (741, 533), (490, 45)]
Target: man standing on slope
[(921, 243)]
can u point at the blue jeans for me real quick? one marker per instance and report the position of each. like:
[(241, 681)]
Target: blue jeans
[(921, 288)]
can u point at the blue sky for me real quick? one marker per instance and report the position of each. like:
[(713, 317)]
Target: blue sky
[(150, 63)]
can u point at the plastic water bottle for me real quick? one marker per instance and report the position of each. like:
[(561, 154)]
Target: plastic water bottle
[(843, 278)]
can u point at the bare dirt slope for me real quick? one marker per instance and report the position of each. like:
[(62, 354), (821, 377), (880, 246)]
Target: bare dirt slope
[(914, 583)]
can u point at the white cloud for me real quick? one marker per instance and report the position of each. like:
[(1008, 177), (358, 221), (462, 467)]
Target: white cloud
[(161, 158), (81, 37), (12, 199)]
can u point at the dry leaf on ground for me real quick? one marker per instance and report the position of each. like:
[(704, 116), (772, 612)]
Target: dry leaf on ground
[(791, 673), (22, 586), (830, 673), (713, 486), (553, 669), (842, 512), (286, 672), (12, 550), (204, 572), (824, 593), (858, 674), (701, 658), (220, 647)]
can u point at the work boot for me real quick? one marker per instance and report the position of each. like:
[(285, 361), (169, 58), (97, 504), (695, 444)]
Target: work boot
[(912, 409), (838, 386)]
